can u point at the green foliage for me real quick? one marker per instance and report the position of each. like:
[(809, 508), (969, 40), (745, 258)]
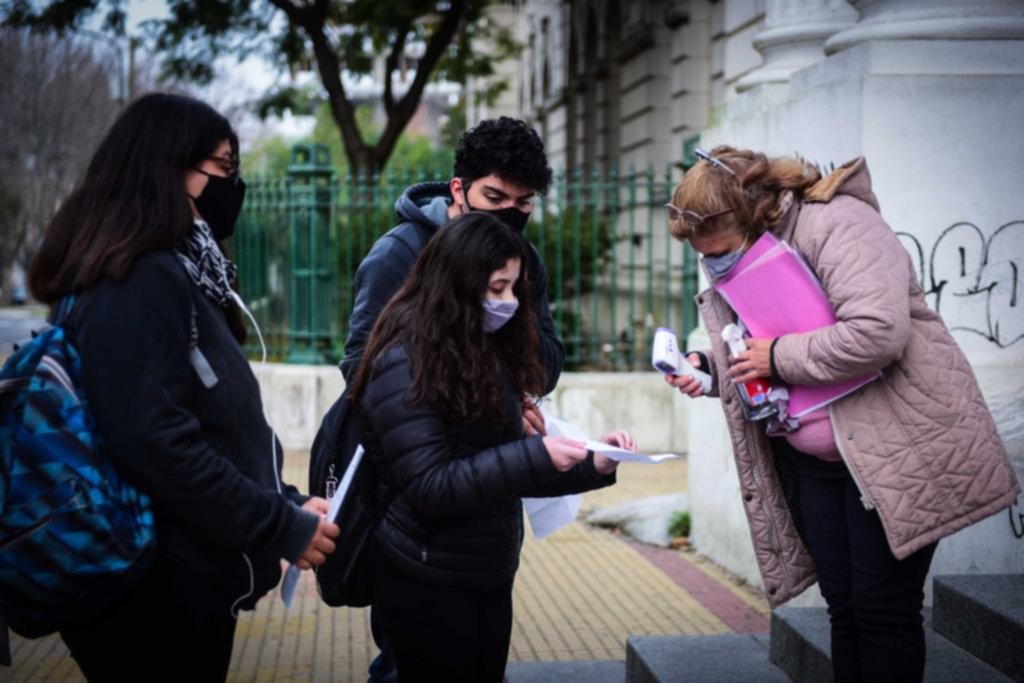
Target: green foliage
[(413, 153), (679, 524), (268, 158), (575, 246)]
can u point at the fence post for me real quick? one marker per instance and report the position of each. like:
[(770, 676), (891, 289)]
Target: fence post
[(691, 283), (313, 273)]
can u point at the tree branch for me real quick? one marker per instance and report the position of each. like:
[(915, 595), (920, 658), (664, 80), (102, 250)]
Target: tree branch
[(392, 63), (329, 68), (403, 110)]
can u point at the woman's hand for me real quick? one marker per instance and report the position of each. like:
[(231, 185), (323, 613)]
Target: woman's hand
[(687, 385), (619, 439), (565, 453), (622, 439), (321, 545), (754, 363), (533, 419), (317, 505)]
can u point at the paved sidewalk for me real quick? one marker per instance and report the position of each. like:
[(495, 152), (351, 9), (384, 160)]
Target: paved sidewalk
[(579, 594)]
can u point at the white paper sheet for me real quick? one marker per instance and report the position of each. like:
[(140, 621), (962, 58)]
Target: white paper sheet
[(559, 427), (346, 482), (622, 455), (548, 515)]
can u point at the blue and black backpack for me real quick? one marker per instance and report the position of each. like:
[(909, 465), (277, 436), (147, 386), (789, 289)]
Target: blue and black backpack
[(74, 536)]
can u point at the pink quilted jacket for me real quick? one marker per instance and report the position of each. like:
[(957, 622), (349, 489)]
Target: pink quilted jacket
[(920, 441)]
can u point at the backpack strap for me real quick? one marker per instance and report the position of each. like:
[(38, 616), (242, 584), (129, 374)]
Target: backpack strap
[(64, 310)]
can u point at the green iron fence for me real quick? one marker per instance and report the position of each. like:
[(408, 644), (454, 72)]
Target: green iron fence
[(614, 272)]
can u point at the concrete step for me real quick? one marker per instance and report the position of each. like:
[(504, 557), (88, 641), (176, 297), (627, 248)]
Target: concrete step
[(801, 646), (731, 658), (984, 614), (594, 671)]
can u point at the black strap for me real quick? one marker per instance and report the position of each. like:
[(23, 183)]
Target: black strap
[(776, 378), (64, 307)]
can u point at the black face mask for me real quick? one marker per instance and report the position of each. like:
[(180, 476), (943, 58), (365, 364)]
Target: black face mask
[(510, 216), (220, 202)]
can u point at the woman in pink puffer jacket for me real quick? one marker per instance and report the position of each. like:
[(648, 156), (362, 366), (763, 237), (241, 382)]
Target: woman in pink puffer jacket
[(858, 497)]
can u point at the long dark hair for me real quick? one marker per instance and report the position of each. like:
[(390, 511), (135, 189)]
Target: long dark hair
[(132, 198), (438, 315)]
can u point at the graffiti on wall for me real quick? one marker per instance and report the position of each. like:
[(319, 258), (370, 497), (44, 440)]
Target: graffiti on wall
[(975, 281), (1017, 517)]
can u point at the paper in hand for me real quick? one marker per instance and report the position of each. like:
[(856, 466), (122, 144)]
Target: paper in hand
[(288, 584), (346, 482), (548, 515), (558, 427)]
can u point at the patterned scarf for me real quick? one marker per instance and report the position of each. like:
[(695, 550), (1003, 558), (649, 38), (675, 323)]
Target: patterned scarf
[(212, 272)]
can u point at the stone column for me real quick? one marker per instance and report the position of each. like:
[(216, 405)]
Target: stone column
[(793, 37), (932, 20)]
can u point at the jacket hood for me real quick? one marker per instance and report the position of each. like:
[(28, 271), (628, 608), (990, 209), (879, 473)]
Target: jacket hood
[(852, 178), (425, 203)]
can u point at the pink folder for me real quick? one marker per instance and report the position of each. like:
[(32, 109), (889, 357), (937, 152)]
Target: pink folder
[(774, 292)]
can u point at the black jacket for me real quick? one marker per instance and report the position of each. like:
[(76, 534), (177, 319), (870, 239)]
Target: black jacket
[(202, 454), (456, 517), (422, 211)]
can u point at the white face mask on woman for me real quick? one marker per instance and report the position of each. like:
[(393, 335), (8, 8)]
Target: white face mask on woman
[(719, 266), (498, 312)]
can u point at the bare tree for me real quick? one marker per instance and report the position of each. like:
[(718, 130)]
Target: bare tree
[(335, 37), (57, 103)]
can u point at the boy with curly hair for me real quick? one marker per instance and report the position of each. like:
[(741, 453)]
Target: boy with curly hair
[(500, 168)]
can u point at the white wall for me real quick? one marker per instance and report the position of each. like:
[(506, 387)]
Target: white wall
[(297, 396)]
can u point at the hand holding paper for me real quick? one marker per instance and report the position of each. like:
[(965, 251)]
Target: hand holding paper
[(563, 428)]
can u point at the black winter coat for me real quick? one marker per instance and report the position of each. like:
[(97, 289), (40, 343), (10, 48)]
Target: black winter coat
[(202, 453), (456, 517)]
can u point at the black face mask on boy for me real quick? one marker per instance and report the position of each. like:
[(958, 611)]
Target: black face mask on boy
[(510, 216), (220, 202)]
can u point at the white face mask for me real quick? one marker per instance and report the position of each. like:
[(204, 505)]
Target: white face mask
[(719, 266), (498, 312)]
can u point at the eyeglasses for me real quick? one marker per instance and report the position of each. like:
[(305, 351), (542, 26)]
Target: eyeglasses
[(229, 164), (692, 218), (702, 154)]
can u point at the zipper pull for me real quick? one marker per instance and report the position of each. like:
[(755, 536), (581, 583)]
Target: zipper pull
[(331, 484), (423, 554)]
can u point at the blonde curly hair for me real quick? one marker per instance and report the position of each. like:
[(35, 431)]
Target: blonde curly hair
[(752, 197)]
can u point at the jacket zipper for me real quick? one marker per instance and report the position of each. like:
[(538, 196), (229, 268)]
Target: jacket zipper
[(865, 499), (750, 435), (423, 554)]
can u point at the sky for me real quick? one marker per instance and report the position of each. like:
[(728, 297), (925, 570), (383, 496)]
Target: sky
[(236, 82)]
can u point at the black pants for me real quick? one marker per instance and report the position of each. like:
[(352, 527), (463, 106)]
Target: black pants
[(874, 600), (174, 626), (439, 633)]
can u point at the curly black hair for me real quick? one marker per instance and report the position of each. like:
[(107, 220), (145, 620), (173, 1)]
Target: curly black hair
[(506, 147)]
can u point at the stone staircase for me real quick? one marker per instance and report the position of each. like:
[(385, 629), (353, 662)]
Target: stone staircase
[(974, 631)]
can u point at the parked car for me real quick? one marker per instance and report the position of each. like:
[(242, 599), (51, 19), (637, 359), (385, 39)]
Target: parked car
[(19, 295)]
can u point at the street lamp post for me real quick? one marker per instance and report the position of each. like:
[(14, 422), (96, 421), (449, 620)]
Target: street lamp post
[(123, 75)]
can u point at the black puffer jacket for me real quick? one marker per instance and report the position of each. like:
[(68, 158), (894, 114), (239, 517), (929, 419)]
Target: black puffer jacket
[(456, 517), (201, 450)]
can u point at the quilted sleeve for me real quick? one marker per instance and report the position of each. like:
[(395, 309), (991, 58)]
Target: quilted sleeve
[(866, 273), (414, 440)]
